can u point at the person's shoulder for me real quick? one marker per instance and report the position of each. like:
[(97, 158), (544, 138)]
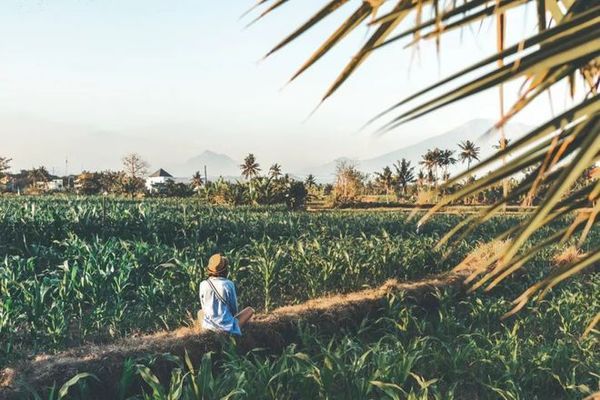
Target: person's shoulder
[(228, 283)]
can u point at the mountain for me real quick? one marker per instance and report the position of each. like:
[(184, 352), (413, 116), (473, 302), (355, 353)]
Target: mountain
[(216, 165), (475, 130)]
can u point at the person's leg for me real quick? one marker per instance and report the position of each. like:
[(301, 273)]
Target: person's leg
[(244, 316)]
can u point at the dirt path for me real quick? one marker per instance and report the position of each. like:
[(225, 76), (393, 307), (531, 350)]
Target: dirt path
[(273, 331)]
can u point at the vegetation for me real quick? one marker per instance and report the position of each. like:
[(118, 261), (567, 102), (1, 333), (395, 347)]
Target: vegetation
[(99, 269), (456, 349), (563, 49)]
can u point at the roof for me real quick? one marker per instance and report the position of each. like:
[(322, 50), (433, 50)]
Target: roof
[(161, 172)]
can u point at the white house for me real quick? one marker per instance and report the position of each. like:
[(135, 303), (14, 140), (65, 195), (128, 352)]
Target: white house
[(162, 176), (158, 177)]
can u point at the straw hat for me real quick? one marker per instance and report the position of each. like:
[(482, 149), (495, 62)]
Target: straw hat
[(217, 265)]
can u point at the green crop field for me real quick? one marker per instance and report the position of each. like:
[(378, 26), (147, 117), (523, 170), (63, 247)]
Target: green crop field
[(77, 271)]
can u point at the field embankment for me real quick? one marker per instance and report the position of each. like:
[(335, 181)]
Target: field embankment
[(272, 331)]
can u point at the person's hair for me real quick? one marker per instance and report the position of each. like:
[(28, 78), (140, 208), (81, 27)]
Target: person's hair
[(221, 274)]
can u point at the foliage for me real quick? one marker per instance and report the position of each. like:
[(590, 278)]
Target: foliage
[(4, 165), (560, 150), (250, 168), (349, 182), (99, 268), (456, 349)]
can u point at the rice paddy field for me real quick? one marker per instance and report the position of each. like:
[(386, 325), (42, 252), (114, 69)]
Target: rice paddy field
[(93, 270)]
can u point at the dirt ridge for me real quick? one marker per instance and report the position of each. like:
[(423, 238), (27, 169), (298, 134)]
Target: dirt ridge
[(273, 331)]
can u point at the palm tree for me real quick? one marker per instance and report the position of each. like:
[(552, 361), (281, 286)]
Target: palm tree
[(275, 171), (563, 49), (404, 174), (446, 160), (39, 174), (468, 152), (310, 181), (430, 161), (385, 180), (197, 181), (250, 168)]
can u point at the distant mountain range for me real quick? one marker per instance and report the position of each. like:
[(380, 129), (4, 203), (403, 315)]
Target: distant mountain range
[(474, 130), (477, 130), (216, 165)]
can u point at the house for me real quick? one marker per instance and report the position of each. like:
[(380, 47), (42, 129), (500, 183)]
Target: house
[(53, 185), (162, 176)]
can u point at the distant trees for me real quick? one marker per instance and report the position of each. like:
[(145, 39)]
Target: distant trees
[(88, 183), (250, 168), (430, 161), (134, 169), (275, 171), (385, 180), (197, 181), (4, 165), (38, 175), (349, 182), (404, 174), (469, 152), (445, 161)]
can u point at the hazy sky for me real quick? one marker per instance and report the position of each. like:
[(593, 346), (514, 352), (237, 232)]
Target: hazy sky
[(172, 78)]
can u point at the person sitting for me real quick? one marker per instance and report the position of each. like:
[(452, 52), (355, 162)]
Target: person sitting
[(218, 300)]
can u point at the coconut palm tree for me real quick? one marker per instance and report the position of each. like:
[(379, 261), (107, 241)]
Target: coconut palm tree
[(446, 160), (250, 168), (430, 161), (197, 181), (39, 174), (404, 174), (275, 171), (385, 180), (468, 152)]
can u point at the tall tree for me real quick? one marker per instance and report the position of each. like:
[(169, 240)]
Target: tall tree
[(445, 161), (4, 165), (385, 180), (134, 170), (468, 152), (38, 175), (404, 174), (197, 181), (430, 161), (275, 171), (310, 181), (250, 168)]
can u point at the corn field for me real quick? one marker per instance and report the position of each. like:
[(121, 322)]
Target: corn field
[(75, 271)]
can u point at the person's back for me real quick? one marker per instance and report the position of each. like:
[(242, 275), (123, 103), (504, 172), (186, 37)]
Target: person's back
[(218, 300), (219, 315)]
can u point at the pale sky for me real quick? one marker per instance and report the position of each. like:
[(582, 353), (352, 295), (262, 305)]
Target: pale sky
[(172, 78)]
